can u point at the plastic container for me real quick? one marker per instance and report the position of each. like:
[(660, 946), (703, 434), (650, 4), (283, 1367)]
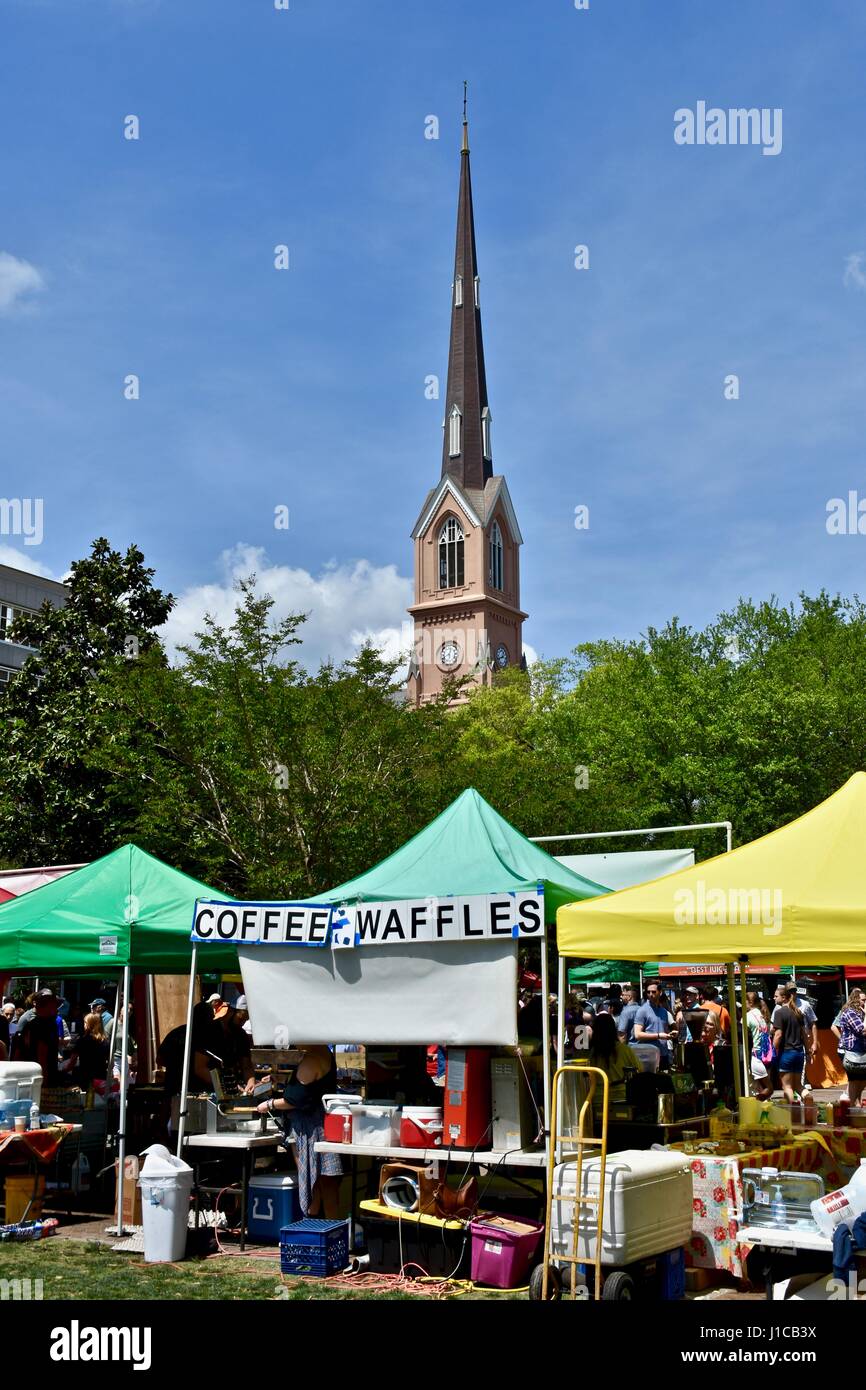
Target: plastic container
[(166, 1184), (16, 1110), (376, 1125), (647, 1206), (272, 1203), (21, 1081), (765, 1188), (338, 1109), (503, 1249), (670, 1274), (421, 1126), (315, 1247), (396, 1240), (843, 1206)]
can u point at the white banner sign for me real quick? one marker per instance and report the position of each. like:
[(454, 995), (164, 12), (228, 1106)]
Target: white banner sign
[(262, 924), (480, 917)]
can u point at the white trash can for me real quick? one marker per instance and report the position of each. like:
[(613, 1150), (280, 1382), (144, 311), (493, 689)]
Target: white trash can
[(166, 1184)]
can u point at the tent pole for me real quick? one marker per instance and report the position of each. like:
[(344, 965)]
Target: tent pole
[(735, 1033), (545, 1037), (187, 1053), (124, 1073), (560, 1013), (151, 1027)]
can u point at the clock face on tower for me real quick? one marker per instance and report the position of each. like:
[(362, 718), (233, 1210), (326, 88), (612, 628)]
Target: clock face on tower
[(501, 655), (449, 654)]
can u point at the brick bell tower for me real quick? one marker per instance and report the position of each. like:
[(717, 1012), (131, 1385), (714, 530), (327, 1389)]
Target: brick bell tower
[(467, 616)]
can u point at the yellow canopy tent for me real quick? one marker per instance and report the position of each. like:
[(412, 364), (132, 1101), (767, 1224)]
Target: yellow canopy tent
[(796, 895)]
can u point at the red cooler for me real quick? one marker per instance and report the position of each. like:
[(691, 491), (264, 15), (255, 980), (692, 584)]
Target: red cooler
[(421, 1126), (338, 1118)]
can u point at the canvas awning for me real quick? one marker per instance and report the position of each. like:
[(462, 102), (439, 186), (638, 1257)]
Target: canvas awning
[(796, 895), (469, 848), (127, 908)]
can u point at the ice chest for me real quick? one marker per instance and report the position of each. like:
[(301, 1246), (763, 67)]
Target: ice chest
[(647, 1206), (421, 1126), (339, 1109), (503, 1249), (272, 1202), (376, 1125)]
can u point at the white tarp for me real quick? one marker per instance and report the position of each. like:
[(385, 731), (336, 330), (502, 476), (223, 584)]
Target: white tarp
[(625, 868), (456, 993)]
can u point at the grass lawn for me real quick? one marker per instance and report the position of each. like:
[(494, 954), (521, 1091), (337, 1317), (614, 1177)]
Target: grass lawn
[(75, 1270)]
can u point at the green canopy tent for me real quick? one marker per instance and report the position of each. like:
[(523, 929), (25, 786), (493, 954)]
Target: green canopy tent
[(470, 848), (126, 911), (467, 849), (127, 908)]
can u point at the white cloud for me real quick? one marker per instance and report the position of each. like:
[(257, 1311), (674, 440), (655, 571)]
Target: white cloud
[(855, 273), (22, 560), (347, 604), (17, 278)]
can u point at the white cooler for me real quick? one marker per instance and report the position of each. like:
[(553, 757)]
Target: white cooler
[(376, 1125), (21, 1081), (647, 1206)]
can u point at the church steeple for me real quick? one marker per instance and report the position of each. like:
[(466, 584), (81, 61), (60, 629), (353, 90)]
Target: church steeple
[(466, 451)]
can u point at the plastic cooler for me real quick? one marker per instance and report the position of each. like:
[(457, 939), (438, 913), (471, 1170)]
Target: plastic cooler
[(272, 1203), (647, 1206), (315, 1247), (421, 1126), (20, 1081), (376, 1125), (339, 1108), (503, 1250)]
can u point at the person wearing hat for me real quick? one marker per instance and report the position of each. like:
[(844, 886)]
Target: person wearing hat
[(690, 1001), (99, 1006), (36, 1038), (228, 1042)]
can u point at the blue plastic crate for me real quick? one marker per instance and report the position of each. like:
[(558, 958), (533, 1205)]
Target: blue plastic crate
[(314, 1246), (671, 1275)]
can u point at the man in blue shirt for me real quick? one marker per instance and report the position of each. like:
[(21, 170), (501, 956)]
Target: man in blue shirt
[(651, 1023), (625, 1021)]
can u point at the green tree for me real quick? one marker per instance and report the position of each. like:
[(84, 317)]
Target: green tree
[(54, 803)]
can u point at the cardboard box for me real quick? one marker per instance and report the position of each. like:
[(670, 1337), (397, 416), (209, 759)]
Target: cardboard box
[(131, 1191)]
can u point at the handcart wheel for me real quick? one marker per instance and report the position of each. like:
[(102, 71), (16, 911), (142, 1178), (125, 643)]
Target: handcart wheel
[(618, 1288), (536, 1284)]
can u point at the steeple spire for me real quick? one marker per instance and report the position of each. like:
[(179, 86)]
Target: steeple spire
[(467, 417)]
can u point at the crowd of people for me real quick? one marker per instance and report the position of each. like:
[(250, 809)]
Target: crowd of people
[(618, 1026), (80, 1045)]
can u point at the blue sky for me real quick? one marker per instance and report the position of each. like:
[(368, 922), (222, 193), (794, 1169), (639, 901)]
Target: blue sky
[(305, 388)]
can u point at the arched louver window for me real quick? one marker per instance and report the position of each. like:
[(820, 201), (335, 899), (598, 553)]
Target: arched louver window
[(486, 422), (458, 292), (451, 554), (495, 551), (455, 422)]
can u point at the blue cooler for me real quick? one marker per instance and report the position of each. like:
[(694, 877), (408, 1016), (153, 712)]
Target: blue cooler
[(272, 1203)]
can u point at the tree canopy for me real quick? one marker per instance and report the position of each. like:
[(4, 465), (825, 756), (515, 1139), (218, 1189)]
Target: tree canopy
[(239, 765)]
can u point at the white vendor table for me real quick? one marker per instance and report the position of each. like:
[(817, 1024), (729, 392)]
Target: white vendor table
[(488, 1158), (775, 1242), (247, 1146)]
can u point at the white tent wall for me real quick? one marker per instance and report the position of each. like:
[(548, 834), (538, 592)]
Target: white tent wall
[(453, 993)]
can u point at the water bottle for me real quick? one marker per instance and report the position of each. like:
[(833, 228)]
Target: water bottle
[(34, 1116), (778, 1208)]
